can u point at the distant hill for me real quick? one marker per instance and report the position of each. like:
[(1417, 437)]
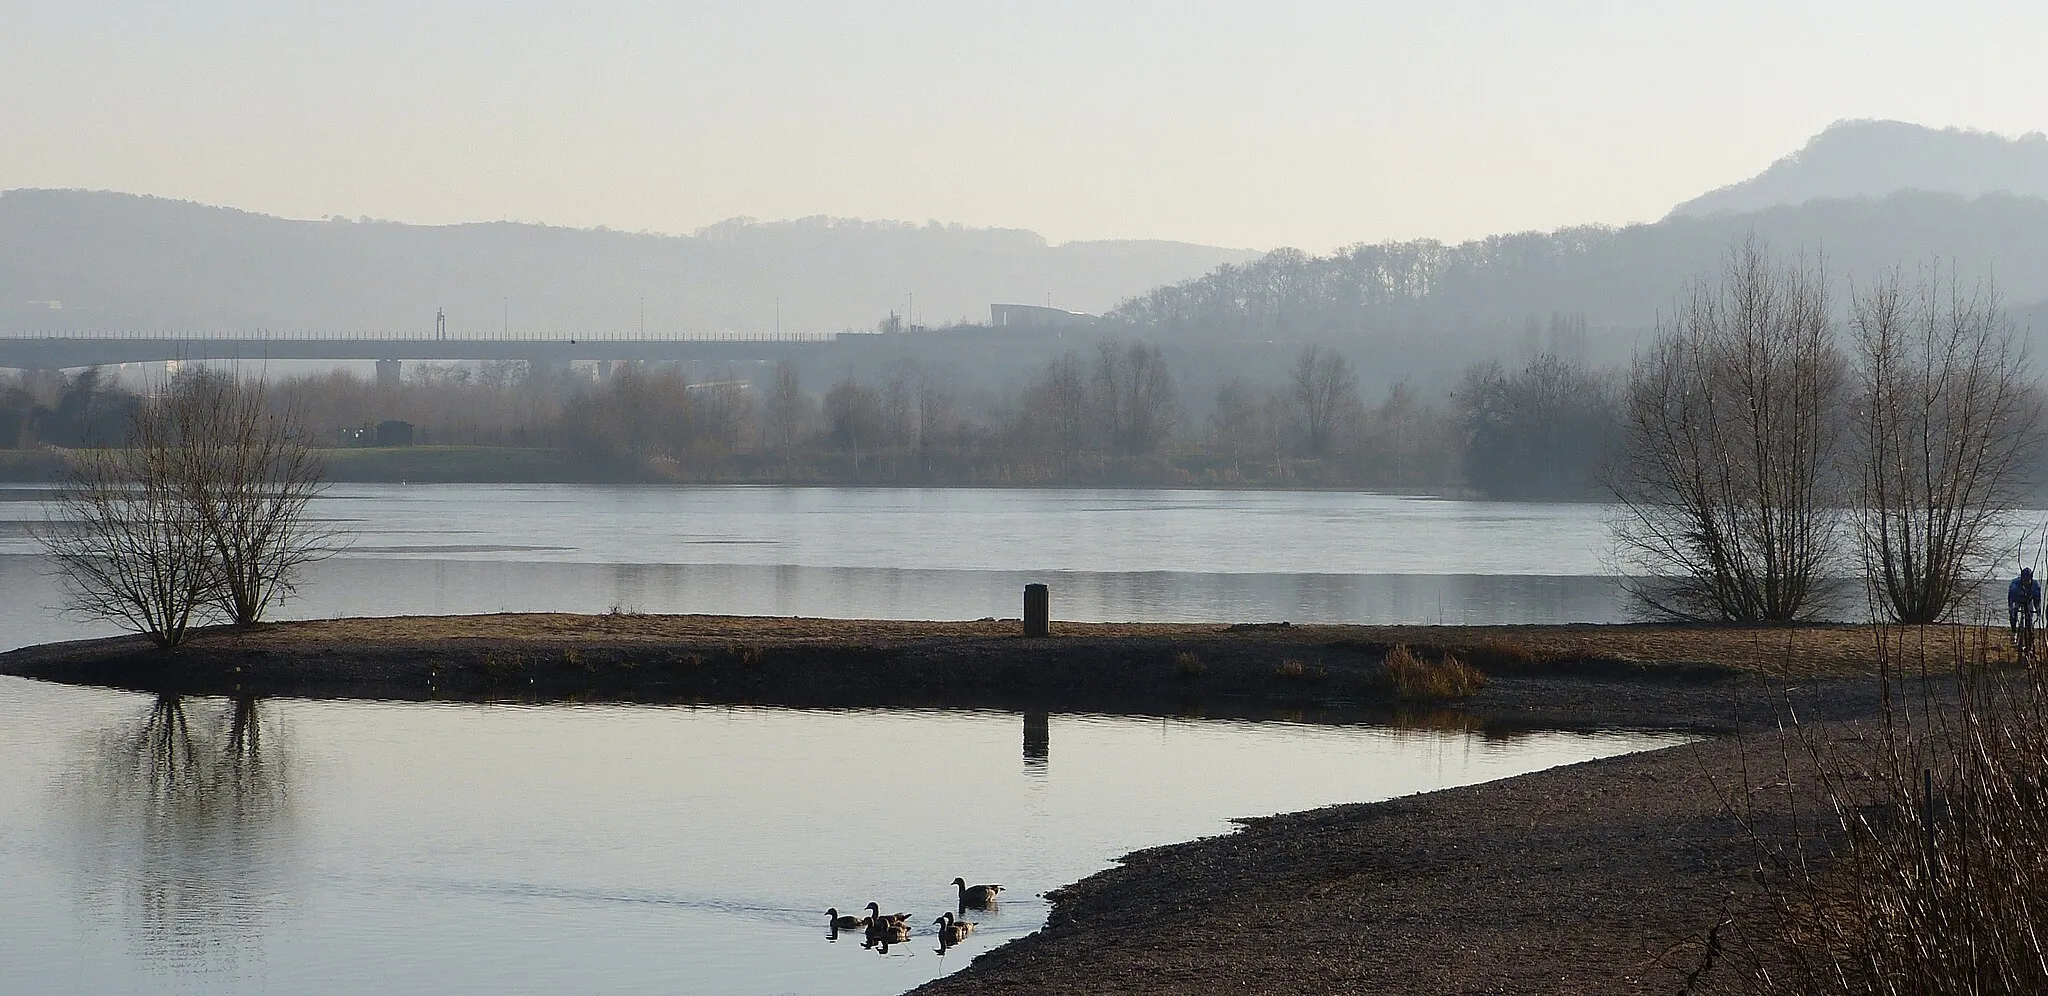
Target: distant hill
[(1421, 310), (1877, 158), (120, 261)]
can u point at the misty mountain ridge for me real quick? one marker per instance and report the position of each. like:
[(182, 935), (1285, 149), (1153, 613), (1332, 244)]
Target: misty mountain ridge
[(91, 260), (1867, 158), (1420, 310)]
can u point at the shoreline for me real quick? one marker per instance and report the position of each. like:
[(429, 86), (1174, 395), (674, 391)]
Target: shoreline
[(1696, 678), (1601, 877), (1625, 876)]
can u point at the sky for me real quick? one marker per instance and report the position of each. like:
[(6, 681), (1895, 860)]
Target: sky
[(1310, 123)]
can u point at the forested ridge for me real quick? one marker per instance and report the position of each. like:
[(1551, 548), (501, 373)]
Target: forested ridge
[(1497, 294)]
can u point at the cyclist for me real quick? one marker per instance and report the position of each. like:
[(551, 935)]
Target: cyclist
[(2022, 601)]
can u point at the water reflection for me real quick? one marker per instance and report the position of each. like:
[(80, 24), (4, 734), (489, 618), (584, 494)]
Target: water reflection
[(188, 805), (603, 848), (1037, 742)]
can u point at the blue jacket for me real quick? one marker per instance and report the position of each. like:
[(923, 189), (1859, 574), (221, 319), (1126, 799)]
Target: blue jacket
[(2023, 593)]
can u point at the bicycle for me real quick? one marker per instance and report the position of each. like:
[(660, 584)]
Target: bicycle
[(2023, 639)]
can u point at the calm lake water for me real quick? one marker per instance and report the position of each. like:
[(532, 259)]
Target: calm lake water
[(350, 847), (919, 554), (290, 846)]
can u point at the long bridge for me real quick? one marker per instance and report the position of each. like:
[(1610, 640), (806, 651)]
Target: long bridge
[(89, 349)]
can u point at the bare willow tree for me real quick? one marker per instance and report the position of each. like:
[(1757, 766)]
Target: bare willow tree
[(1728, 497), (1944, 425), (127, 544), (250, 474), (202, 515)]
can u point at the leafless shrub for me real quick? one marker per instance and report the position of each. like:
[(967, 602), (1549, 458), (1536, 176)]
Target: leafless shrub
[(1945, 423), (1325, 396), (202, 515), (1731, 429), (1925, 866), (250, 475), (127, 545)]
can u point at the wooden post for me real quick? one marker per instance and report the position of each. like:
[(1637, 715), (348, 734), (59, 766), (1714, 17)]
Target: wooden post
[(1037, 610)]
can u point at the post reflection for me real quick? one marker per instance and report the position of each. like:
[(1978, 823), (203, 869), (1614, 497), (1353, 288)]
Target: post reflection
[(1037, 741), (191, 805)]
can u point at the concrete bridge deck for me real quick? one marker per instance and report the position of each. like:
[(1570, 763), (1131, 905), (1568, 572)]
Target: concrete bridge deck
[(71, 351)]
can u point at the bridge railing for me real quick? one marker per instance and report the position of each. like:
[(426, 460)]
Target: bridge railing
[(267, 335)]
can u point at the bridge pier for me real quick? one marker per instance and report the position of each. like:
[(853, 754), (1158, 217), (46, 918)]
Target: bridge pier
[(389, 372)]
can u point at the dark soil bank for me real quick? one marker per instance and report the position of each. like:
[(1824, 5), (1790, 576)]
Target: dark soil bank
[(1331, 673)]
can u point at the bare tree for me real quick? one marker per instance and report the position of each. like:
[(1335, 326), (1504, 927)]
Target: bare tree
[(1053, 415), (854, 416), (1136, 405), (249, 475), (201, 515), (1325, 397), (1728, 504), (127, 544), (785, 412), (1944, 424), (1234, 426)]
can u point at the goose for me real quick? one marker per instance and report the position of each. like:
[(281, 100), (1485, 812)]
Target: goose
[(886, 928), (976, 896), (952, 931), (845, 922)]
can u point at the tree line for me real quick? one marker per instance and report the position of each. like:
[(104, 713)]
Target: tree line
[(1114, 414)]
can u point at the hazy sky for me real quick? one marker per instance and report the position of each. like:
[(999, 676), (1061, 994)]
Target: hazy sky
[(1312, 123)]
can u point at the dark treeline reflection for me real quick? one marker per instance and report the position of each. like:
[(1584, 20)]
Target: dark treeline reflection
[(1110, 412), (190, 805)]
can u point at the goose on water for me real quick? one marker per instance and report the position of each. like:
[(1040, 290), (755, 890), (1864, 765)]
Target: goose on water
[(976, 896), (845, 922), (952, 931), (886, 928)]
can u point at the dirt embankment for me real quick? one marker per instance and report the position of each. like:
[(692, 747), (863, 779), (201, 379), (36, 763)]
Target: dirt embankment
[(1694, 677)]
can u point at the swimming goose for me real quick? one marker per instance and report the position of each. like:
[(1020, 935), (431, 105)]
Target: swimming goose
[(845, 922), (886, 928), (952, 931), (976, 896)]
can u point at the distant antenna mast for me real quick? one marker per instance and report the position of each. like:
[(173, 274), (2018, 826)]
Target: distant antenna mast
[(440, 323), (643, 318)]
